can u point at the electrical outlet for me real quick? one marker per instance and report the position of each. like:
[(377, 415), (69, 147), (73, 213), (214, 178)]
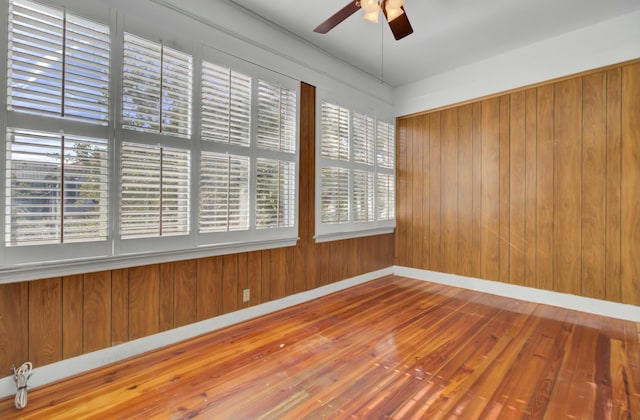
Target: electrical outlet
[(246, 295)]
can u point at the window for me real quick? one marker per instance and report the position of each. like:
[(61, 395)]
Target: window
[(56, 188), (166, 174), (224, 192), (155, 191), (276, 177), (58, 64), (156, 88), (57, 156), (248, 138), (355, 162)]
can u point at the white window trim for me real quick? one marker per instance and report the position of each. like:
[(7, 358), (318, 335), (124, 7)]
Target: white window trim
[(326, 232)]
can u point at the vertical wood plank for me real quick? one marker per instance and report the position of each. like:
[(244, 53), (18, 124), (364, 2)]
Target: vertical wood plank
[(568, 162), (594, 164), (336, 251), (96, 317), (14, 321), (45, 321), (410, 209), (418, 199), (505, 236), (465, 190), (426, 193), (144, 301), (307, 130), (614, 180), (545, 188), (254, 274), (517, 187), (209, 287), (435, 212), (166, 295), (72, 323), (300, 267), (290, 262), (630, 187), (185, 302), (119, 306), (324, 259), (243, 278), (490, 213), (230, 289), (476, 216), (278, 274), (449, 190), (266, 273), (401, 193), (531, 158)]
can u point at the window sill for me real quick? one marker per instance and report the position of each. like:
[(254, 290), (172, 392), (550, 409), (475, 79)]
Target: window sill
[(35, 271), (337, 236)]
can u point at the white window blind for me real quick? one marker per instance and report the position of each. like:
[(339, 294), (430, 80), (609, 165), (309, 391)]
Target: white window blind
[(335, 131), (363, 138), (226, 105), (334, 195), (58, 64), (277, 117), (363, 196), (275, 194), (155, 191), (156, 88), (56, 188), (224, 192), (385, 197), (385, 145)]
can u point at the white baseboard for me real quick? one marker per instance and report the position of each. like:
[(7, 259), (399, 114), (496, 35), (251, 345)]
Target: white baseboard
[(562, 300), (68, 367)]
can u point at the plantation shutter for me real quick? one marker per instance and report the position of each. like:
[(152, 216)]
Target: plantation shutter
[(335, 132), (363, 194), (385, 197), (156, 88), (385, 145), (277, 110), (58, 64), (224, 192), (226, 105), (155, 191), (275, 194), (363, 139), (51, 199), (334, 195)]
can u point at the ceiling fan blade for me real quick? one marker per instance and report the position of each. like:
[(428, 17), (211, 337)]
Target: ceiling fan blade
[(400, 26), (338, 17)]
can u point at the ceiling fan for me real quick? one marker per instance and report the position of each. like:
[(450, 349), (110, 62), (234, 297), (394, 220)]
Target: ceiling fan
[(393, 11)]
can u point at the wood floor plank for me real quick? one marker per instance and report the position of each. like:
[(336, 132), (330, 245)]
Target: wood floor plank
[(394, 347)]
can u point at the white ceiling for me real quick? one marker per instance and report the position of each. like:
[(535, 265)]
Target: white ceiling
[(447, 33)]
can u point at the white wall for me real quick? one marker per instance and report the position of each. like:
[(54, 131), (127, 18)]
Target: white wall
[(608, 42)]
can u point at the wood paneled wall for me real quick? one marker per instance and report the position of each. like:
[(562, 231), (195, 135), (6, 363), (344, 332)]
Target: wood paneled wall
[(538, 187), (47, 320)]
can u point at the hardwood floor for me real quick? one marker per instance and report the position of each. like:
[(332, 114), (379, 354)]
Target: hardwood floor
[(394, 347)]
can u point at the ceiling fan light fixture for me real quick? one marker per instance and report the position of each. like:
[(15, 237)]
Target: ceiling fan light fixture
[(370, 6), (394, 4), (371, 16), (393, 13)]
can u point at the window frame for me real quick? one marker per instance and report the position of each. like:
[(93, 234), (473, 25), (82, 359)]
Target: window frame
[(325, 232)]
